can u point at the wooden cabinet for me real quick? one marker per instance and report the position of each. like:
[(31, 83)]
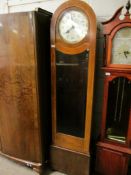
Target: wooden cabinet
[(25, 86)]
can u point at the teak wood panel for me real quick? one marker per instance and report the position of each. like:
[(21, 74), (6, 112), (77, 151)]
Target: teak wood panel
[(88, 43), (19, 123)]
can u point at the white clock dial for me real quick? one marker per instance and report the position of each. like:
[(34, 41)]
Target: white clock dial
[(73, 26), (121, 50)]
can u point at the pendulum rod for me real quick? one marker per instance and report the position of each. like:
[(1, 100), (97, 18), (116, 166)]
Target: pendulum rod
[(118, 89), (122, 97)]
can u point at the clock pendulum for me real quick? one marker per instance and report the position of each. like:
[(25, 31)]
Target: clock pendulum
[(122, 97), (116, 106), (73, 41)]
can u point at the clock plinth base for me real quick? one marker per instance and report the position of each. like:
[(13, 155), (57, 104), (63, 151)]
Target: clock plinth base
[(69, 162), (111, 161)]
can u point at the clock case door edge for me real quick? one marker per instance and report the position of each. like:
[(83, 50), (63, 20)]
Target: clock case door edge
[(42, 20)]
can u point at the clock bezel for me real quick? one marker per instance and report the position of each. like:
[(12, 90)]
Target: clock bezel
[(60, 18), (58, 42), (109, 45)]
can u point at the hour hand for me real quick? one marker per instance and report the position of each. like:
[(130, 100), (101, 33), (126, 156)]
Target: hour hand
[(68, 31), (126, 53)]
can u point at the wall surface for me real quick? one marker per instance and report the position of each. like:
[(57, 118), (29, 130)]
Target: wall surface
[(104, 9)]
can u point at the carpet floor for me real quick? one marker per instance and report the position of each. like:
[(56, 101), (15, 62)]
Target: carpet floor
[(9, 167)]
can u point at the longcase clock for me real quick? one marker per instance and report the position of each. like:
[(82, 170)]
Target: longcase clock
[(73, 40), (114, 148)]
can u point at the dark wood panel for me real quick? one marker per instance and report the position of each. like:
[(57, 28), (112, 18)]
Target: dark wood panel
[(69, 162), (111, 162), (42, 39)]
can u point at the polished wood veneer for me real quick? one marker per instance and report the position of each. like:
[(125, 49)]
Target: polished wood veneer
[(25, 86)]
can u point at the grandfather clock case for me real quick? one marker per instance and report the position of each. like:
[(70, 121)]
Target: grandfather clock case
[(114, 148), (73, 40), (25, 87)]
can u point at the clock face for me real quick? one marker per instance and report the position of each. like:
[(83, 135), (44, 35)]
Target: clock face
[(73, 26), (121, 50)]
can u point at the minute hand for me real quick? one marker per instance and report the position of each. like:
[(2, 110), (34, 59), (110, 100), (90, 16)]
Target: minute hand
[(76, 28), (68, 31), (126, 53)]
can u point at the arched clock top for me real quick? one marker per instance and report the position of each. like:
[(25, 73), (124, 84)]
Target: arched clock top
[(117, 33), (111, 24), (72, 29)]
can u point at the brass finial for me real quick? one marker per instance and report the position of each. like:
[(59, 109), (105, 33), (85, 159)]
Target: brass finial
[(126, 9), (128, 5)]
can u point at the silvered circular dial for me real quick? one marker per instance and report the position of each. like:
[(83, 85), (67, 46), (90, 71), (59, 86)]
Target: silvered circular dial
[(73, 26), (121, 50)]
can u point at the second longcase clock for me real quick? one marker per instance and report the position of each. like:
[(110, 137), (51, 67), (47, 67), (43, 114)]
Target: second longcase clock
[(115, 142), (73, 40)]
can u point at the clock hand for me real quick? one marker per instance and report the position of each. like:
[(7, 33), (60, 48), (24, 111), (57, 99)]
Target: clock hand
[(76, 27), (70, 25), (126, 53), (68, 31)]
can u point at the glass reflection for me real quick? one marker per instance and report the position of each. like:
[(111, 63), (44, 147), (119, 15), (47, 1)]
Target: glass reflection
[(71, 89), (121, 49), (119, 103)]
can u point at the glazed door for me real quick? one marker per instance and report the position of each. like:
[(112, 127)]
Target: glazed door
[(117, 109), (19, 125)]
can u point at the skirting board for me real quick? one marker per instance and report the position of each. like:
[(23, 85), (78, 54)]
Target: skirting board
[(69, 162), (35, 166)]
